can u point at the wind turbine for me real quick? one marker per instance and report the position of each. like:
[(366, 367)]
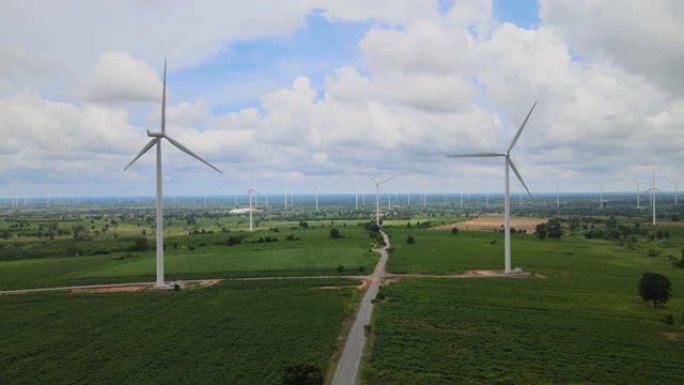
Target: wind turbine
[(250, 193), (316, 190), (509, 165), (157, 140), (676, 186), (638, 185), (601, 199), (653, 191), (557, 198), (377, 198)]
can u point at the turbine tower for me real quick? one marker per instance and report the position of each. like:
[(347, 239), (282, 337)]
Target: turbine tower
[(638, 185), (251, 192), (676, 186), (509, 165), (653, 191), (601, 198), (157, 140), (377, 198)]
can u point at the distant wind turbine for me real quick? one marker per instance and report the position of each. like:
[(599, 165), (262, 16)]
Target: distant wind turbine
[(653, 191), (251, 192), (601, 198), (509, 165), (676, 187), (377, 198), (638, 193), (157, 140)]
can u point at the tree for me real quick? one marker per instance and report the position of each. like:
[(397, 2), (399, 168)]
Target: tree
[(541, 231), (302, 374), (410, 239), (335, 233), (140, 244), (654, 287), (454, 230)]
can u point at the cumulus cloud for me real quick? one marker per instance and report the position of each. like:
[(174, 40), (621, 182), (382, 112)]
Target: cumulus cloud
[(646, 38), (119, 78)]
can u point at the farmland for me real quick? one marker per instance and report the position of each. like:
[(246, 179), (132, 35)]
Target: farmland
[(232, 333), (310, 252), (583, 324)]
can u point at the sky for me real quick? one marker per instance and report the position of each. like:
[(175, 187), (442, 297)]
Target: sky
[(320, 94)]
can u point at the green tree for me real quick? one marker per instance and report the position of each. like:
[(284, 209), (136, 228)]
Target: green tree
[(302, 374), (410, 239), (140, 244), (654, 287), (335, 233)]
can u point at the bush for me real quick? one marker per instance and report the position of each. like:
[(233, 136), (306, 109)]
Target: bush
[(140, 244), (335, 233), (302, 374), (340, 268), (652, 252), (454, 230), (410, 239), (234, 240), (669, 320)]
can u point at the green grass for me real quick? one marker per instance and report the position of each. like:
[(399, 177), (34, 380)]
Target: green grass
[(583, 324), (314, 254), (233, 333)]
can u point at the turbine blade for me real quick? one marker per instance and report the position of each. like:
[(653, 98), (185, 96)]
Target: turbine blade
[(163, 110), (515, 139), (477, 155), (517, 173), (187, 151), (144, 150), (387, 180), (374, 181)]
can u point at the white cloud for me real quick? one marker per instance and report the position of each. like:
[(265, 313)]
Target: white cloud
[(119, 78), (643, 37), (433, 85)]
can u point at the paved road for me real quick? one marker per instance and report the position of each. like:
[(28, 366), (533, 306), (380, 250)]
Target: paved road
[(347, 370)]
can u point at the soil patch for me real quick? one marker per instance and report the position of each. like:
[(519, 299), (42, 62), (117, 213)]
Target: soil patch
[(492, 223)]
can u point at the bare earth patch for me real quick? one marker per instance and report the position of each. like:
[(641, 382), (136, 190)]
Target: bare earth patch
[(116, 287), (491, 223), (674, 336), (467, 274)]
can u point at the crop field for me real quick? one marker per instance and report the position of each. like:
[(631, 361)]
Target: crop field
[(583, 324), (311, 252), (232, 333)]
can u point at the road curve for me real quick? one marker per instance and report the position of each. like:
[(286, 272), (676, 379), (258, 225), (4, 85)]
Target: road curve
[(347, 370)]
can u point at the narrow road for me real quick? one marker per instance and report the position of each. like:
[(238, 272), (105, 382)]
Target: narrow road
[(347, 370)]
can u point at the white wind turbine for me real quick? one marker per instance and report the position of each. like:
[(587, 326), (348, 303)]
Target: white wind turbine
[(157, 140), (509, 165), (653, 191), (377, 198), (638, 193), (676, 191), (251, 192), (601, 197)]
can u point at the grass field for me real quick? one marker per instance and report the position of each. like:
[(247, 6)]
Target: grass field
[(313, 254), (583, 324), (232, 333)]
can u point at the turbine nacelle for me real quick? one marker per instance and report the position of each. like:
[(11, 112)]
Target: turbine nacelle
[(157, 134)]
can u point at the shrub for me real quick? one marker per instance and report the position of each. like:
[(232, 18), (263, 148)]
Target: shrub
[(302, 374), (234, 240), (652, 252), (140, 244), (454, 230), (335, 233), (340, 268), (410, 239), (669, 320)]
